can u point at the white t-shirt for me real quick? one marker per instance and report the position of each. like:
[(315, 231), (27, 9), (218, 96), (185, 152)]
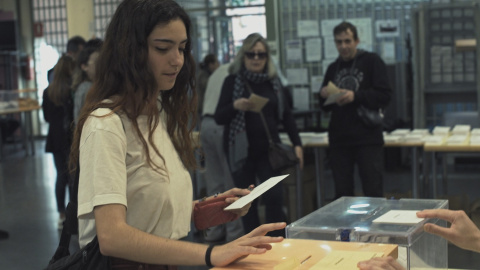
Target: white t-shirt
[(114, 170)]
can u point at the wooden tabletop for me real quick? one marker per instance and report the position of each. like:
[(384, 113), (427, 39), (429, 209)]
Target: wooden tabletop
[(20, 109), (301, 249)]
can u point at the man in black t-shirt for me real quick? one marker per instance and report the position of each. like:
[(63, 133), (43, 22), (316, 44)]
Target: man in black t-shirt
[(362, 78)]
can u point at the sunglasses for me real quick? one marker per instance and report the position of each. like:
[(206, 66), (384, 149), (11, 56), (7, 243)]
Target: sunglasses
[(260, 55)]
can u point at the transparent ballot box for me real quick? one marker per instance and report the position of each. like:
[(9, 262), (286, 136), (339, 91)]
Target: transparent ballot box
[(351, 219)]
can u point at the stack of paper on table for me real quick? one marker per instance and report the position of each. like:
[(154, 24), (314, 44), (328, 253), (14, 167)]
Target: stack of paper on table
[(457, 140), (413, 137), (440, 130), (475, 131), (284, 138), (389, 138), (400, 132), (422, 131), (461, 129), (315, 254), (475, 140), (434, 139), (319, 137)]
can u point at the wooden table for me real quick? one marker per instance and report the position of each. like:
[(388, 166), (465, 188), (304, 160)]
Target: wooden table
[(319, 151), (435, 149), (301, 249), (26, 126)]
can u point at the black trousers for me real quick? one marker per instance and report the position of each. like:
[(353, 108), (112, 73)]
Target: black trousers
[(369, 160), (258, 166), (63, 179)]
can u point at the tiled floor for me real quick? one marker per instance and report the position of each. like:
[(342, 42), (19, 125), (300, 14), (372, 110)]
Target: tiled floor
[(28, 211)]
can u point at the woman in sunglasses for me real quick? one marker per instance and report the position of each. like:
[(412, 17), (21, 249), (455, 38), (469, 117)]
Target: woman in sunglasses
[(245, 138)]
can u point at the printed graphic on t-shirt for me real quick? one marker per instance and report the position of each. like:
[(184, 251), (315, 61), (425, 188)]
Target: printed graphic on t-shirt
[(349, 79)]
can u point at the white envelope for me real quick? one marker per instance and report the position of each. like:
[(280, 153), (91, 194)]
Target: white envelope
[(255, 193)]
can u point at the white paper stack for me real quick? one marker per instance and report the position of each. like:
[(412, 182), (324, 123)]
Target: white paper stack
[(475, 139), (284, 138), (475, 132), (457, 139), (412, 137), (422, 131), (389, 138), (400, 132), (434, 139), (439, 130), (320, 137), (461, 129)]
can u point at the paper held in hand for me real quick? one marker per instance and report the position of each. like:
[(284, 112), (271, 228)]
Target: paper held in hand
[(255, 193), (258, 102), (333, 93)]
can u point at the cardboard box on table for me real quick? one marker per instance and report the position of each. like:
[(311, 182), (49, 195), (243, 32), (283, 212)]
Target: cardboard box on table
[(289, 254), (350, 219)]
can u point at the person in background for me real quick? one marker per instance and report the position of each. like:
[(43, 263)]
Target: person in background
[(58, 112), (74, 46), (462, 233), (362, 78), (245, 139), (133, 143), (84, 75), (217, 173), (207, 67)]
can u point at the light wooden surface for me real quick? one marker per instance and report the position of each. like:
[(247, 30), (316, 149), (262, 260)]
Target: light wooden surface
[(20, 109), (301, 249), (451, 148)]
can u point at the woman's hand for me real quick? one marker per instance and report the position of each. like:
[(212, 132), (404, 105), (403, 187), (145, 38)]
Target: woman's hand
[(242, 104), (254, 242), (299, 154), (380, 263), (238, 192), (462, 232)]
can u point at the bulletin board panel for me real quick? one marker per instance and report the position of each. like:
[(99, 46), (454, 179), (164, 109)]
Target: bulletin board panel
[(306, 45)]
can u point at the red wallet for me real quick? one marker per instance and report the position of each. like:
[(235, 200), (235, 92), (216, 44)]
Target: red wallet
[(210, 213)]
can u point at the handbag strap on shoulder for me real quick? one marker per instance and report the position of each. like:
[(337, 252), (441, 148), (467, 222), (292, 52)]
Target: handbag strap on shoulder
[(261, 113)]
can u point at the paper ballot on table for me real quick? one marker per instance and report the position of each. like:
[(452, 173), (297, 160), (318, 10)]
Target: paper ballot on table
[(258, 102), (333, 93), (255, 193), (399, 217)]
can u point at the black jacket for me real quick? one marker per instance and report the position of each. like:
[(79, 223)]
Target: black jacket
[(60, 119), (366, 75), (256, 135)]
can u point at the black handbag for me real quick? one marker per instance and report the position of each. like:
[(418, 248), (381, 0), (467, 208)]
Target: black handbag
[(88, 257), (370, 118), (280, 155)]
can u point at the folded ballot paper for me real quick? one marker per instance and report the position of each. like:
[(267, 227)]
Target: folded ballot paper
[(255, 193), (333, 93)]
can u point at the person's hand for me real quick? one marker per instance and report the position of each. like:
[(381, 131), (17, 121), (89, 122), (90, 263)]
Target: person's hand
[(346, 98), (254, 242), (242, 104), (299, 154), (462, 232), (324, 92), (380, 263), (239, 192)]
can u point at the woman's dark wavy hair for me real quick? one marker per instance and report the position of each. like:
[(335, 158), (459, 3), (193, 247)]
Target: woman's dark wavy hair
[(123, 75)]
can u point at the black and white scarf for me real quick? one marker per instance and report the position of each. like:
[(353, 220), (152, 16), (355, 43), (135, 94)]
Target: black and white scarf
[(237, 137)]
